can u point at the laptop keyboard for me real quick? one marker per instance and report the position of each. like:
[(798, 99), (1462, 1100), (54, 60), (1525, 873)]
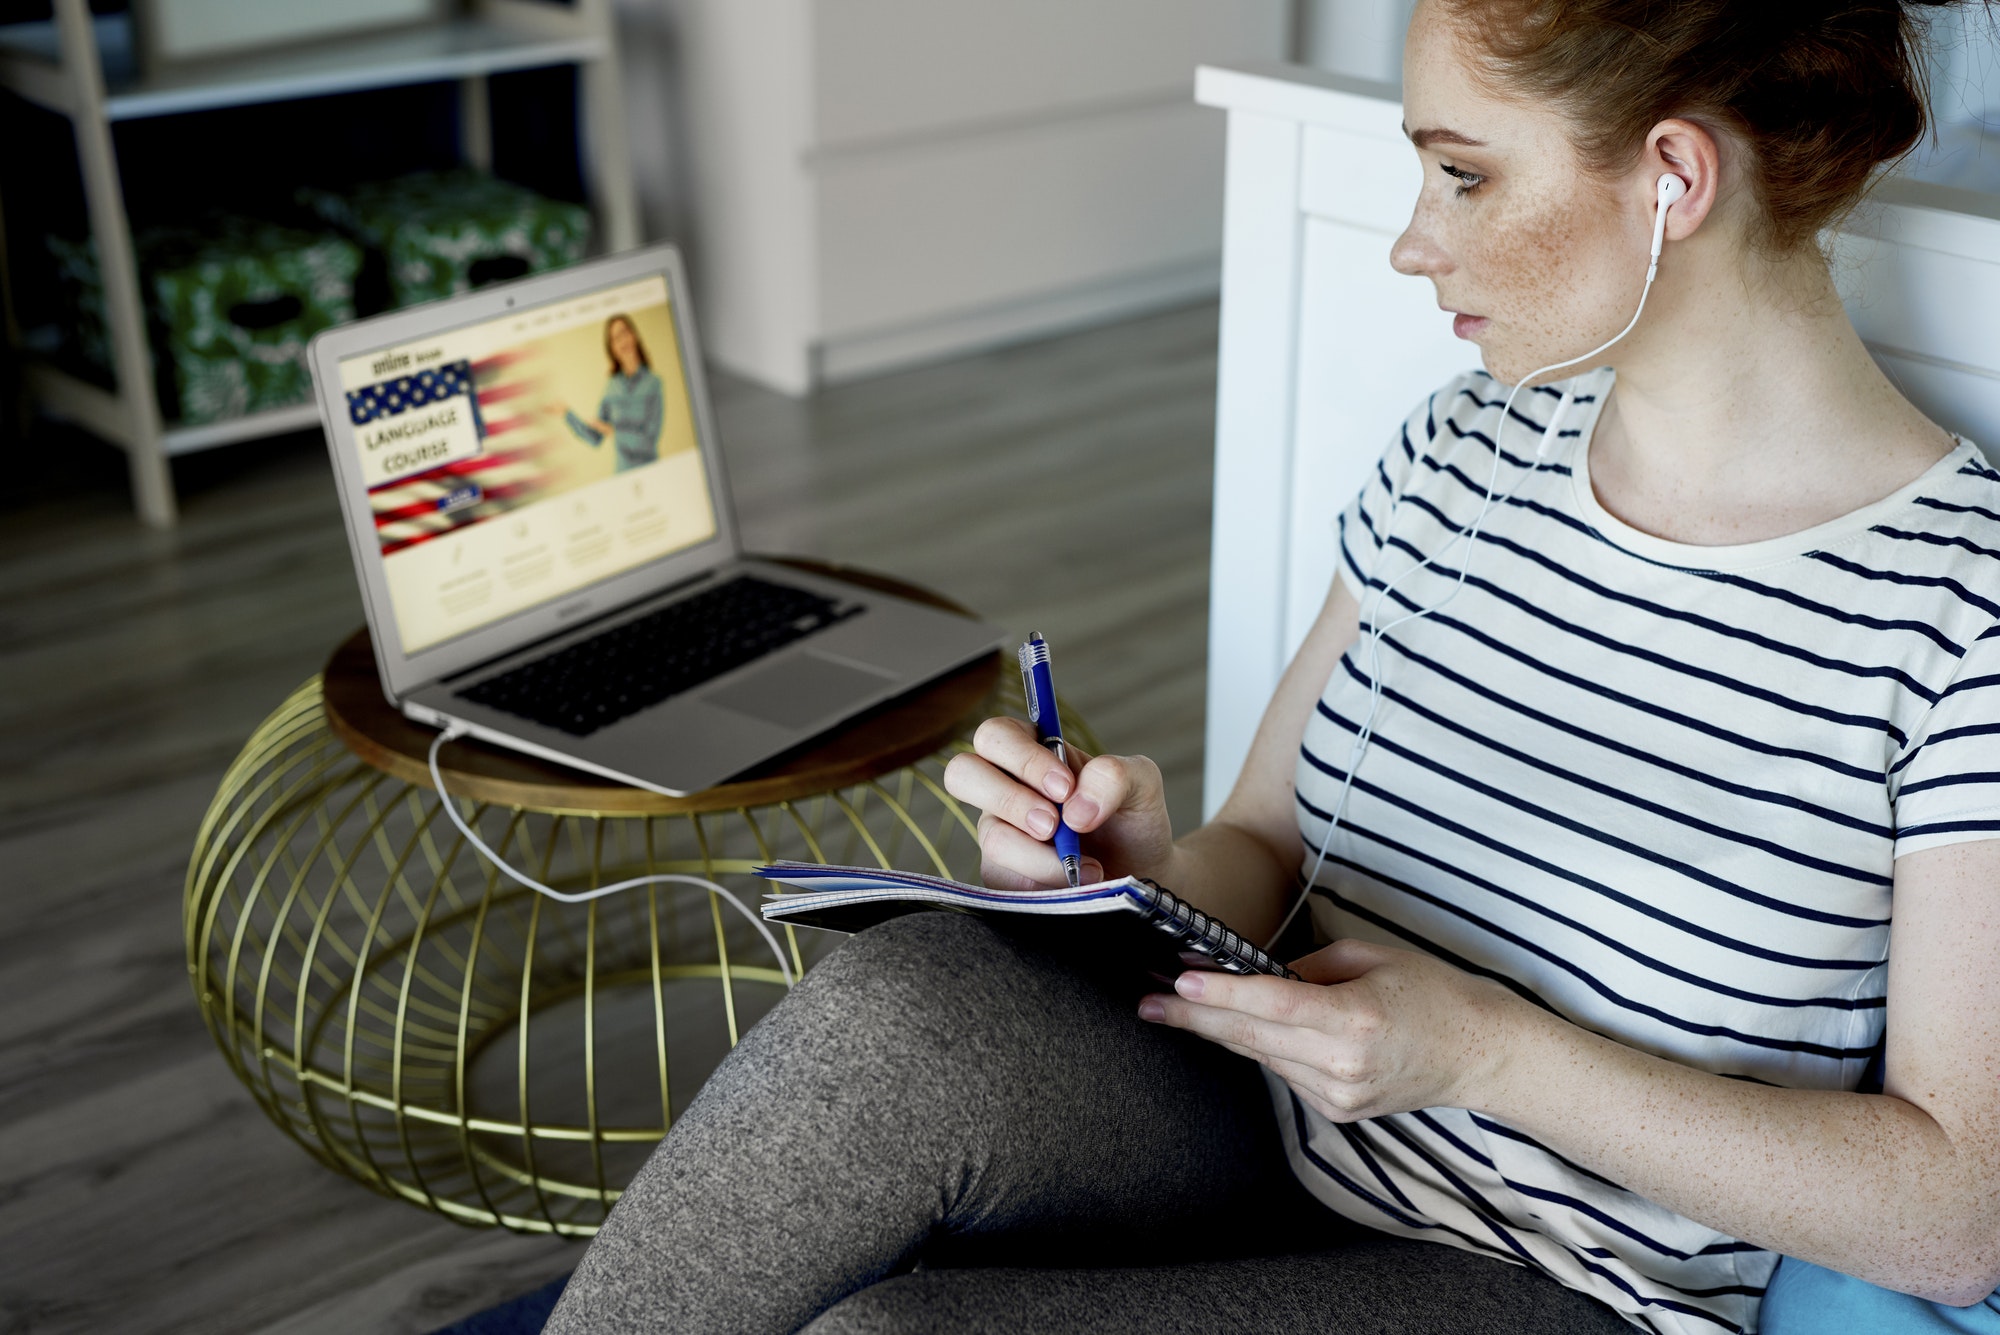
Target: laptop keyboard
[(595, 682)]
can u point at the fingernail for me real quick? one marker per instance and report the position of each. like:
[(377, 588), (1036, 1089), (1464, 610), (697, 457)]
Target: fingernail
[(1057, 784), (1041, 824), (1190, 984), (1080, 812), (1151, 1009)]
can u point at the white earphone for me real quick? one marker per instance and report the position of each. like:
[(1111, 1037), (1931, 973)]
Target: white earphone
[(1670, 190)]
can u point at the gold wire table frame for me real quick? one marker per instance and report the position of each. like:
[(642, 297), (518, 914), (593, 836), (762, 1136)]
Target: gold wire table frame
[(419, 1022)]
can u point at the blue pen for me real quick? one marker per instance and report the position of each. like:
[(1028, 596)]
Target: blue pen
[(1039, 685)]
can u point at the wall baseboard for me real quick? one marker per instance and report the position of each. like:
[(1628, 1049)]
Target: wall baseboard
[(853, 356)]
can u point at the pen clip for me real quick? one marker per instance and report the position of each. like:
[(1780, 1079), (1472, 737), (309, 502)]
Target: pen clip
[(1026, 657)]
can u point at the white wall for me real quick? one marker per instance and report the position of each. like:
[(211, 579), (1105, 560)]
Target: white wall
[(650, 77), (1965, 100), (860, 184), (1966, 65), (1362, 39)]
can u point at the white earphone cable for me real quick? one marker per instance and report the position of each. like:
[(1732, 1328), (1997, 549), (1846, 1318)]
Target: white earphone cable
[(1470, 537), (578, 897)]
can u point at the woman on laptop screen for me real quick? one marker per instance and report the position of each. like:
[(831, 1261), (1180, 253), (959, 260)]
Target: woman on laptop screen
[(633, 408), (1663, 659)]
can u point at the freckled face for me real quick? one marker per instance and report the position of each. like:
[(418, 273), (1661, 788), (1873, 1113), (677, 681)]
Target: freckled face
[(1537, 260)]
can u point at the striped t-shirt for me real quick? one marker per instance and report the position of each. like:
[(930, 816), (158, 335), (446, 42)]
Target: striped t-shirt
[(1656, 788)]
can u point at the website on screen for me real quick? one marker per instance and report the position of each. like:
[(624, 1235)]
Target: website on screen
[(518, 460)]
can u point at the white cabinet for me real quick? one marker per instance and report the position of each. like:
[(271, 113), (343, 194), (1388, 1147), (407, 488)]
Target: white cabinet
[(877, 182), (890, 68), (1314, 322)]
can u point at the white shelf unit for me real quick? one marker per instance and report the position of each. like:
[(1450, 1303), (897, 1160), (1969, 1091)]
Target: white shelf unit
[(62, 65)]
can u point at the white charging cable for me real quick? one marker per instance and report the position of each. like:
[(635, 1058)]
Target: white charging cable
[(581, 896), (1671, 189)]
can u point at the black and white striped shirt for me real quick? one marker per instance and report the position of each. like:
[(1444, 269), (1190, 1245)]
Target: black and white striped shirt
[(1657, 788)]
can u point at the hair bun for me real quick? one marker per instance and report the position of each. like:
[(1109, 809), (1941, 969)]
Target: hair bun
[(1820, 91)]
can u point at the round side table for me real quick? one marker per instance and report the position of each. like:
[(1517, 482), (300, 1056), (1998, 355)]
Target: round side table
[(421, 1023)]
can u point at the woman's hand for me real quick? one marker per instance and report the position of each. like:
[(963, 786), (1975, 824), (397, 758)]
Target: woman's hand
[(1373, 1031), (566, 411), (1117, 802)]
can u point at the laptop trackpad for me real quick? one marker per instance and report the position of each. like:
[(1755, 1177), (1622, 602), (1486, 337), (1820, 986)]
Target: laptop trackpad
[(801, 689)]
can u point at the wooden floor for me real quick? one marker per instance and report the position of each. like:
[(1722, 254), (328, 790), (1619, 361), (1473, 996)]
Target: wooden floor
[(1061, 486)]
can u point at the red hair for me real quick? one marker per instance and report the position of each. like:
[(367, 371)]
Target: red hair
[(1820, 93)]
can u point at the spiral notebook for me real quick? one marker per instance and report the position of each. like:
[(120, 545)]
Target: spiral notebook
[(1137, 918)]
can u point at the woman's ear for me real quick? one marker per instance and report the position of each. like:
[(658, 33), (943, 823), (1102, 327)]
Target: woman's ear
[(1691, 152)]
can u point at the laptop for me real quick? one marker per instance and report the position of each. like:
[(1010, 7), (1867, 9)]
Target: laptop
[(540, 520)]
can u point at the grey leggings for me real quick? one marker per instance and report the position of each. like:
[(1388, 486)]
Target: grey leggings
[(952, 1128)]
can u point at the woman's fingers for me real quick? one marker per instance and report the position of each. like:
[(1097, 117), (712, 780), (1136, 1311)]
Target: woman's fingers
[(1250, 1034), (977, 782), (1017, 784), (1111, 784), (1010, 860), (1009, 743), (1009, 780)]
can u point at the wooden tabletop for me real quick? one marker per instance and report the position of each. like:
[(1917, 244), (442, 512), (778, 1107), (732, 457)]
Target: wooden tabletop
[(884, 739)]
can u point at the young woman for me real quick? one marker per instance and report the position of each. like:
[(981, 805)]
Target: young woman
[(633, 407), (1612, 1013)]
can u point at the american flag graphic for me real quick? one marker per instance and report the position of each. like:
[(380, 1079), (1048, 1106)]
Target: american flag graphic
[(505, 474)]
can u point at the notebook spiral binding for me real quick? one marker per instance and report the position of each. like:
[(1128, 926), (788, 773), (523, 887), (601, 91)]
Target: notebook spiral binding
[(1196, 930)]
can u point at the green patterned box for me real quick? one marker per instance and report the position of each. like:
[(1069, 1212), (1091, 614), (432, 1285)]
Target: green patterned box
[(85, 339), (230, 304), (443, 233), (234, 302)]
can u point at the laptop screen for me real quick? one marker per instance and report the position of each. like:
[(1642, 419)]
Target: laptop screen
[(513, 462)]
